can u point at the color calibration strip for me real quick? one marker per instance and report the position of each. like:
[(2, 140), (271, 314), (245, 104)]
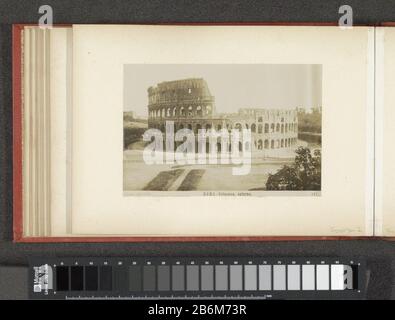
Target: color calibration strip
[(195, 278)]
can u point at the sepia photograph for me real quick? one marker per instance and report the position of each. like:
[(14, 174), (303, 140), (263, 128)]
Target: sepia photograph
[(222, 129)]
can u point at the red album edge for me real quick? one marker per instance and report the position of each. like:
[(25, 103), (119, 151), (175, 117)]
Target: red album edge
[(17, 132), (17, 160)]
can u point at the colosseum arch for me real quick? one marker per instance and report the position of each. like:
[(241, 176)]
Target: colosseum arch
[(266, 144), (247, 146), (278, 127), (266, 128), (238, 126), (282, 143), (199, 112), (198, 127), (253, 127), (168, 114), (219, 127), (174, 111), (272, 128), (182, 111), (282, 128), (208, 109), (259, 144), (259, 128), (272, 144)]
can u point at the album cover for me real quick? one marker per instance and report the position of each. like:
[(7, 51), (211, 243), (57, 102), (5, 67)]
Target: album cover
[(194, 133)]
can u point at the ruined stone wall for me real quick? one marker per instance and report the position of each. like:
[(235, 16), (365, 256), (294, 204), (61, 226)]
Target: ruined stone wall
[(270, 128), (178, 101)]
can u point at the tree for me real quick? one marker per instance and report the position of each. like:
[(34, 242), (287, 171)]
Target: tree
[(303, 174), (309, 121)]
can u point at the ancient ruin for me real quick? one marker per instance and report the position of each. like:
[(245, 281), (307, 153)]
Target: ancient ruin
[(190, 104)]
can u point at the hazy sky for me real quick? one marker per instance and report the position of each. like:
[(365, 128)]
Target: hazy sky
[(233, 85)]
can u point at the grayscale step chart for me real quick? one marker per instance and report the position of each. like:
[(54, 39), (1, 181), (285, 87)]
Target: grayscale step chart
[(197, 278)]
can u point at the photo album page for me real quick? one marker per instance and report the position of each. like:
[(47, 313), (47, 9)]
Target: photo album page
[(221, 131)]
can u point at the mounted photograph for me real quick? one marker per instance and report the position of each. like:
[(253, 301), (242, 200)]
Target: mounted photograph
[(260, 131), (222, 129)]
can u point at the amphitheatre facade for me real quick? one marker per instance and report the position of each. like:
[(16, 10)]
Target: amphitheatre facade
[(190, 104)]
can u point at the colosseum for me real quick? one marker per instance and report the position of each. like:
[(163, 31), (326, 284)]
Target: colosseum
[(190, 104)]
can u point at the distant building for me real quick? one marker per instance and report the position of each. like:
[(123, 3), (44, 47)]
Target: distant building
[(129, 115)]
